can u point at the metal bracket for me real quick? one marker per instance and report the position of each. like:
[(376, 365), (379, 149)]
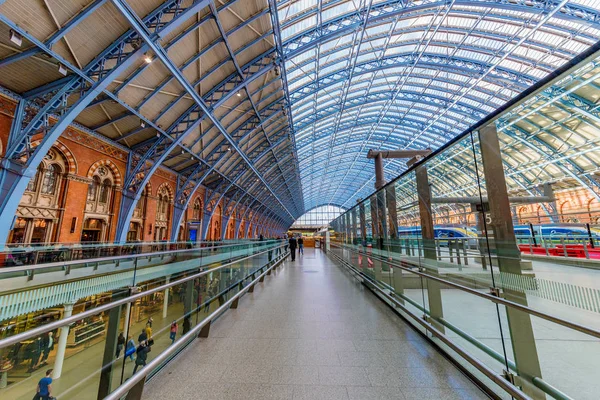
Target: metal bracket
[(134, 290), (512, 378)]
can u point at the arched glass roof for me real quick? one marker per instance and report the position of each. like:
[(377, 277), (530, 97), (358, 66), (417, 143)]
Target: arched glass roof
[(410, 74)]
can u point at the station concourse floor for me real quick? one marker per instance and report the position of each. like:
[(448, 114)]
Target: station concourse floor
[(311, 332)]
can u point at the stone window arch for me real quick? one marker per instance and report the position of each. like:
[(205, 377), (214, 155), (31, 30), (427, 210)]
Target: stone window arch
[(197, 210), (164, 198), (39, 209), (101, 190)]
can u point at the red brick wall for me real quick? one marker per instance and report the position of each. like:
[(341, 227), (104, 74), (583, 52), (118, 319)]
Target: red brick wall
[(83, 150), (75, 205)]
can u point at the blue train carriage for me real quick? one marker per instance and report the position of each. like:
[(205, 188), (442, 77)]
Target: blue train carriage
[(569, 233), (469, 235)]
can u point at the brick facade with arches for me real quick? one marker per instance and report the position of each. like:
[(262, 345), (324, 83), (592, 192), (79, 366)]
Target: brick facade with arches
[(80, 209)]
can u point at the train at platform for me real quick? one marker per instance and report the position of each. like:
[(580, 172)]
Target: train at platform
[(554, 233)]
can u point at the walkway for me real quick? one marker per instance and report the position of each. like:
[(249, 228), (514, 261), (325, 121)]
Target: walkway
[(311, 332)]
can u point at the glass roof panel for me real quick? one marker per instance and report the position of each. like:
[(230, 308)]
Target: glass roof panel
[(411, 77)]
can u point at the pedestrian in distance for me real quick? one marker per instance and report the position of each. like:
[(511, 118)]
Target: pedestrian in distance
[(173, 333), (120, 344), (44, 387), (293, 244), (130, 349), (143, 336), (148, 330), (34, 350), (47, 347), (141, 355), (300, 245)]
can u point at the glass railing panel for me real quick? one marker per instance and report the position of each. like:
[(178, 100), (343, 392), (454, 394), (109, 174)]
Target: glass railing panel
[(18, 255), (100, 348)]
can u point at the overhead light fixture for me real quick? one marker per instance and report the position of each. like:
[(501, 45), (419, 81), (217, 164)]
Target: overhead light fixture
[(157, 134), (228, 148), (147, 59), (16, 38), (182, 152), (142, 123), (62, 69), (239, 94), (277, 72)]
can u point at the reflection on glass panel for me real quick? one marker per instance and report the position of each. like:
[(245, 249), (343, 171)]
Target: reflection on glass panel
[(494, 241)]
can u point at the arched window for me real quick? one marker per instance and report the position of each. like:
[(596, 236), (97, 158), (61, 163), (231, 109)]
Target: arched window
[(196, 210), (161, 204), (39, 208), (100, 191), (93, 188), (105, 190), (32, 185), (50, 178), (163, 214)]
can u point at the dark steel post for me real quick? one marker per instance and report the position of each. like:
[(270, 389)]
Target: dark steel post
[(509, 260), (430, 263)]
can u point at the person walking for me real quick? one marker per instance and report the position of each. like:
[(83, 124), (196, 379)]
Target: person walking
[(173, 333), (300, 245), (293, 244), (130, 349), (120, 344), (143, 336), (44, 387), (34, 350), (148, 330), (47, 347), (141, 355)]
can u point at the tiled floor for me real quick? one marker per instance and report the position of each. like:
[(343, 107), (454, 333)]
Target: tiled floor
[(310, 332)]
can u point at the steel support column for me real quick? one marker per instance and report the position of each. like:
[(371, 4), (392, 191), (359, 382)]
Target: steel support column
[(110, 348), (429, 263), (509, 260), (363, 224)]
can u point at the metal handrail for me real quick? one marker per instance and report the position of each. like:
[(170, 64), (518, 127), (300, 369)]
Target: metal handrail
[(22, 268), (498, 300), (488, 372), (124, 388), (549, 389), (10, 247), (76, 317)]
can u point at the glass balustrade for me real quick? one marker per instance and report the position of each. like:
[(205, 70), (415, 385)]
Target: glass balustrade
[(175, 291), (489, 243)]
